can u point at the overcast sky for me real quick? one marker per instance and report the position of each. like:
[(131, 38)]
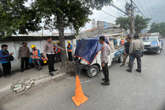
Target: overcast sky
[(154, 9)]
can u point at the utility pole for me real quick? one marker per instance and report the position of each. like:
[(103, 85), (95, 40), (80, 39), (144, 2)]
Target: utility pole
[(132, 20), (130, 10)]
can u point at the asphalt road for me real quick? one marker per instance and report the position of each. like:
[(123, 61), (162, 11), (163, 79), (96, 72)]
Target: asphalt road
[(128, 91)]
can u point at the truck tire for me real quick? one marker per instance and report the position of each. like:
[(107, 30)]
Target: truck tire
[(93, 71)]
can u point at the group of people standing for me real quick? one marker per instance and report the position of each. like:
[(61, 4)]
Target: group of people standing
[(35, 56), (133, 48)]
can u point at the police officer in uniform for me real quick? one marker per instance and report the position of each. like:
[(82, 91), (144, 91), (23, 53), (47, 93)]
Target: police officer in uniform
[(136, 52)]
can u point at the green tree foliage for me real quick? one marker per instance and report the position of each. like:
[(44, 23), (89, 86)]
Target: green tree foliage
[(15, 17), (56, 14), (61, 14), (123, 22), (140, 23), (158, 27)]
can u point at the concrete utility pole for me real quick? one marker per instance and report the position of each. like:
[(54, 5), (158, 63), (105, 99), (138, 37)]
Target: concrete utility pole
[(132, 20)]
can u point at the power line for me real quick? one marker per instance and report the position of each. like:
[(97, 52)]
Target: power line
[(118, 9), (139, 9), (143, 10), (109, 14), (149, 12)]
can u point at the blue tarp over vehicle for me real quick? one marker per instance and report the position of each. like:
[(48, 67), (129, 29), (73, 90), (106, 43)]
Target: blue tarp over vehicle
[(87, 49)]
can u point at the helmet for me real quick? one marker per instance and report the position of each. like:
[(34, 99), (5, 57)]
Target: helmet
[(33, 46), (69, 42), (45, 62)]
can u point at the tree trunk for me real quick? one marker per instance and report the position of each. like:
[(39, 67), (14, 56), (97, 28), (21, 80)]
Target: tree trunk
[(67, 67), (62, 43)]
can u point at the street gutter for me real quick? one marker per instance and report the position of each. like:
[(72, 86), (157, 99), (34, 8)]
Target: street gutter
[(37, 81)]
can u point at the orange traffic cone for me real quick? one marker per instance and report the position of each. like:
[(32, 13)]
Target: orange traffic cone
[(79, 97)]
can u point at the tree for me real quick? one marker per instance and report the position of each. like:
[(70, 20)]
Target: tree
[(123, 22), (60, 14), (140, 23), (57, 14), (17, 18), (158, 27)]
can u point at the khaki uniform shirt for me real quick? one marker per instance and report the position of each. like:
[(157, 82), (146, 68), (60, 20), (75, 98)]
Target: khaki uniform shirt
[(136, 44), (105, 52)]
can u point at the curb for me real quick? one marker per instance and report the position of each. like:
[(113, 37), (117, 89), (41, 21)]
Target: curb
[(7, 90)]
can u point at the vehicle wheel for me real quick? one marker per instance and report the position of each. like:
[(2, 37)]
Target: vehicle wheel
[(93, 71)]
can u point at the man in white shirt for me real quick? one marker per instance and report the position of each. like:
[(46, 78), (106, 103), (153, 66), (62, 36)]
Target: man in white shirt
[(105, 52)]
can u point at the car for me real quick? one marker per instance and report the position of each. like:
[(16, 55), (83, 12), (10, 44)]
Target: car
[(152, 44)]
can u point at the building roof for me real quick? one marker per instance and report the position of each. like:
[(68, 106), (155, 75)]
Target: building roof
[(33, 38)]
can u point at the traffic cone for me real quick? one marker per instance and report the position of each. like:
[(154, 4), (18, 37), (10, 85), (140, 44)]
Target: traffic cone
[(79, 97)]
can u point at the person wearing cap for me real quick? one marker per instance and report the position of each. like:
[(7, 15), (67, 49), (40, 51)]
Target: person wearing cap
[(24, 54), (105, 52), (136, 52), (36, 56), (49, 54), (69, 49)]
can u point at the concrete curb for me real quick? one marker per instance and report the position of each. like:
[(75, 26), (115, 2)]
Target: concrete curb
[(43, 80), (7, 90)]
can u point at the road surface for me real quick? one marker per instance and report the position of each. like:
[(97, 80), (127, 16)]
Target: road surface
[(128, 91)]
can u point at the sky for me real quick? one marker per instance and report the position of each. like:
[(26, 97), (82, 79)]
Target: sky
[(154, 9)]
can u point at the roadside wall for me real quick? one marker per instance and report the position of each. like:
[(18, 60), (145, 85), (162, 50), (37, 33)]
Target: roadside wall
[(13, 46)]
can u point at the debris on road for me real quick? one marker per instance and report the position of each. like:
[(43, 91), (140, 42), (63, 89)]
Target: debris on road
[(22, 86)]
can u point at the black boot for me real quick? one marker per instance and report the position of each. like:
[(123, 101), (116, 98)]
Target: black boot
[(51, 74), (105, 83), (138, 70), (129, 70)]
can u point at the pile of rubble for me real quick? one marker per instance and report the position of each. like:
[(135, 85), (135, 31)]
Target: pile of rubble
[(22, 86)]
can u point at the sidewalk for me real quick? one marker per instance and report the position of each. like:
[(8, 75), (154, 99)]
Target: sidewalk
[(37, 76)]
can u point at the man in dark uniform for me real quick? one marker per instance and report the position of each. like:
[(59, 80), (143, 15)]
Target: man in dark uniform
[(126, 50), (69, 49)]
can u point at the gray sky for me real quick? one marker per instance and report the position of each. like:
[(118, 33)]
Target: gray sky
[(154, 9)]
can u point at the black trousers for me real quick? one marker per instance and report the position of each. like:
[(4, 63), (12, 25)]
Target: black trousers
[(106, 72), (50, 62), (132, 59), (70, 56), (24, 63), (6, 68)]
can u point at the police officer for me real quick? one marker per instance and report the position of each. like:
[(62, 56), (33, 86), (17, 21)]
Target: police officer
[(105, 52), (49, 54), (136, 52)]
